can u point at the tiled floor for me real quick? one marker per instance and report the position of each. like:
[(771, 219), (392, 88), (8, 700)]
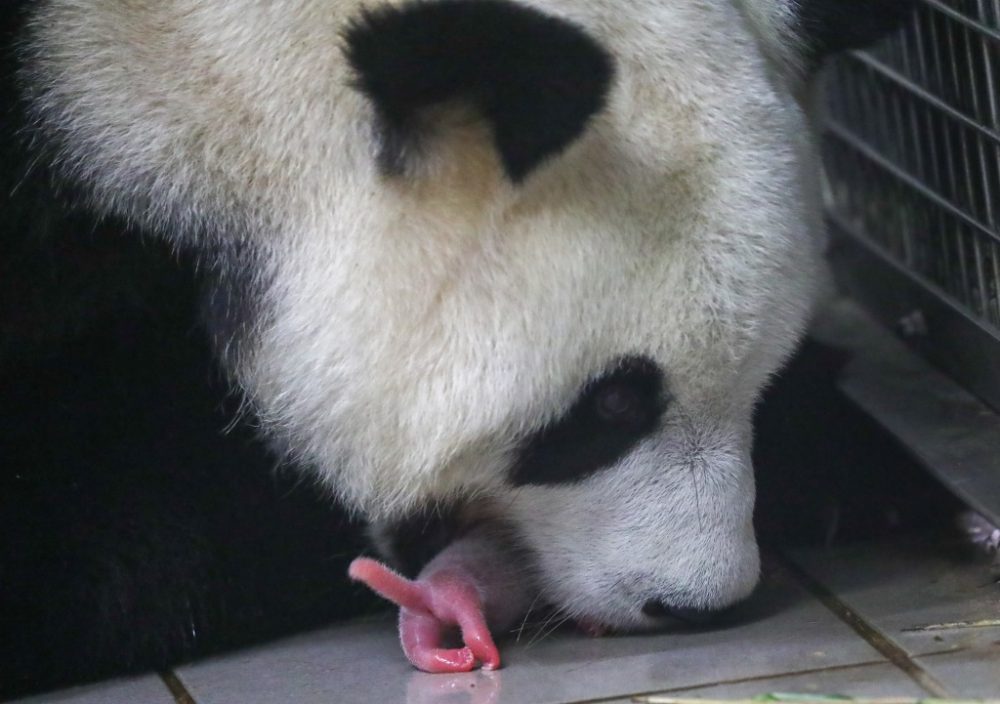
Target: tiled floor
[(143, 690), (860, 621)]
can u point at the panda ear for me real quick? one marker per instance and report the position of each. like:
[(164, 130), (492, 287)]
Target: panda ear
[(830, 26), (536, 79)]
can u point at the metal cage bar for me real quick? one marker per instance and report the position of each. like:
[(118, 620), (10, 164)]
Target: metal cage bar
[(912, 163)]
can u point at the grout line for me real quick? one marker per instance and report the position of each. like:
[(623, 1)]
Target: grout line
[(875, 638), (737, 680), (946, 651), (177, 689)]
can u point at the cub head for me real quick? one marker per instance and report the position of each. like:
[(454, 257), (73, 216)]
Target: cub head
[(541, 255)]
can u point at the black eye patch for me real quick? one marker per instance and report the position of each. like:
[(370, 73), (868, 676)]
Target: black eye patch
[(612, 414)]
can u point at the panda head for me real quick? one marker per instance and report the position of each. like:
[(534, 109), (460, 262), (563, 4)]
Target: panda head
[(537, 254)]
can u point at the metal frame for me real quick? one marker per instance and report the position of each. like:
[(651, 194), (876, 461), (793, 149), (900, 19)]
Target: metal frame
[(912, 155)]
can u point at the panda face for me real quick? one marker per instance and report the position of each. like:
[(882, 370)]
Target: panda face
[(558, 292), (584, 347), (630, 500), (669, 525)]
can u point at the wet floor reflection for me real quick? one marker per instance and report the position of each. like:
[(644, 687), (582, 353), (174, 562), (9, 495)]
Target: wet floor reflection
[(467, 688)]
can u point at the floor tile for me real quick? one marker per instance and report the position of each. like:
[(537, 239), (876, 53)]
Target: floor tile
[(346, 663), (911, 593), (142, 690), (974, 673), (361, 662), (877, 680)]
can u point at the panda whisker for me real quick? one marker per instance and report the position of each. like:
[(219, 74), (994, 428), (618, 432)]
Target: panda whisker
[(541, 628), (527, 615), (556, 619), (552, 629)]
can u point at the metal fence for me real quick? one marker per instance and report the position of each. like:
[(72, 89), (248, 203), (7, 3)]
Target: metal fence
[(912, 155)]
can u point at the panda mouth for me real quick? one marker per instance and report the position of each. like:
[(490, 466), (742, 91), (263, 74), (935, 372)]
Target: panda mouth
[(475, 587), (473, 578), (594, 629)]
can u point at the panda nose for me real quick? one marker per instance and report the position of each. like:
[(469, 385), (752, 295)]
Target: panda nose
[(654, 608)]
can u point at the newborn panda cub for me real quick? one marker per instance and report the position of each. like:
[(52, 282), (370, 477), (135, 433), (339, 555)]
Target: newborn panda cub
[(534, 259)]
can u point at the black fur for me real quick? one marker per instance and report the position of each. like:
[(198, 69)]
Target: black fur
[(611, 415), (830, 26), (135, 533), (232, 298), (537, 79), (415, 540)]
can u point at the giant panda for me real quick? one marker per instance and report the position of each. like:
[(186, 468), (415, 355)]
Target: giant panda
[(504, 277)]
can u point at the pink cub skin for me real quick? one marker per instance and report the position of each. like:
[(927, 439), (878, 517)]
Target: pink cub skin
[(472, 585)]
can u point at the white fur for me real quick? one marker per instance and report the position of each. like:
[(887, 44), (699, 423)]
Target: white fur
[(416, 329)]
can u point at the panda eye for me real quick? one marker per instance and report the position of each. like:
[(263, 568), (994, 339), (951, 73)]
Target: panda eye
[(617, 403), (612, 413)]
